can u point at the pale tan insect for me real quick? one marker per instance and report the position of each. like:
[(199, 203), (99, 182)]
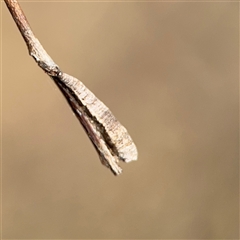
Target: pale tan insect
[(110, 138)]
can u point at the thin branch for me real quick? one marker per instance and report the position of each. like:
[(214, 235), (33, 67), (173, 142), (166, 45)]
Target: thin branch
[(109, 137), (35, 48)]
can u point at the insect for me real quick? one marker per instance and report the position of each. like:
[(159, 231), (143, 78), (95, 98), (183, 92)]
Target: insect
[(109, 137)]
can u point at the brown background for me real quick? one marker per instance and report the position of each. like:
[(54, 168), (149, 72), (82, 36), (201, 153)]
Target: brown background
[(169, 72)]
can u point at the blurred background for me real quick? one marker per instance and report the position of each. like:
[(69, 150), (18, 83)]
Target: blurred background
[(169, 73)]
